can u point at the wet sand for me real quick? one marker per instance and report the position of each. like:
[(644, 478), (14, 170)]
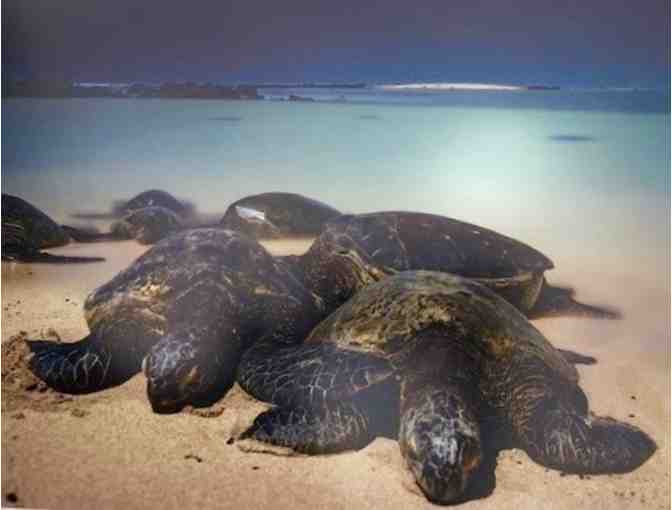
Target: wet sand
[(109, 450)]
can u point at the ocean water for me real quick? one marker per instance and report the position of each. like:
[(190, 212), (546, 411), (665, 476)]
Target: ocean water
[(580, 173)]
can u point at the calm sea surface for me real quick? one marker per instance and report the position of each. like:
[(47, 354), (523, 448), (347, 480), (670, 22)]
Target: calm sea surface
[(573, 170)]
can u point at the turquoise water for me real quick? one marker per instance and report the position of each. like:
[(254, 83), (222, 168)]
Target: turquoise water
[(589, 166)]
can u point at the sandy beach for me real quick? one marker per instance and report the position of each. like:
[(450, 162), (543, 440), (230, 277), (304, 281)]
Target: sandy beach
[(109, 450)]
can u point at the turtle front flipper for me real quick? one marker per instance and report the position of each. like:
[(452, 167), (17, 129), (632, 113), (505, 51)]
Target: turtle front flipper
[(339, 426), (559, 301), (553, 425), (328, 399), (80, 367), (311, 376), (579, 444)]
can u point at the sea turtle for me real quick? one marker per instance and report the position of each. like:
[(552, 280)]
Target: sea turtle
[(26, 231), (399, 241), (153, 198), (437, 351), (149, 198), (147, 225), (184, 310), (275, 214)]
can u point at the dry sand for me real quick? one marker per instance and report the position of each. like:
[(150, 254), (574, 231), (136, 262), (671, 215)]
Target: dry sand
[(108, 450)]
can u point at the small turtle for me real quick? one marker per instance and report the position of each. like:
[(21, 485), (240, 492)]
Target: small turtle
[(439, 352), (26, 231), (184, 310), (275, 214), (399, 241)]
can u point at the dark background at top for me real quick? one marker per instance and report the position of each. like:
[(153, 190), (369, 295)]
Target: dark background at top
[(590, 43)]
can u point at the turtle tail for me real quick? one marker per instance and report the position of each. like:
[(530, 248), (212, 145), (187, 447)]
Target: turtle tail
[(80, 367)]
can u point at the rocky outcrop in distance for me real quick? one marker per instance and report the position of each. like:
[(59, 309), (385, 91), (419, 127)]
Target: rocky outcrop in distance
[(170, 90)]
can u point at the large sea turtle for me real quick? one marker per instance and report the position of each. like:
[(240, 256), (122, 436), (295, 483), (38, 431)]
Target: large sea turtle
[(185, 310), (276, 214), (26, 231), (439, 352), (398, 241)]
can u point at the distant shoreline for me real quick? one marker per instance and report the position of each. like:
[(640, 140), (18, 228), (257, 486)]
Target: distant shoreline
[(192, 90), (471, 87)]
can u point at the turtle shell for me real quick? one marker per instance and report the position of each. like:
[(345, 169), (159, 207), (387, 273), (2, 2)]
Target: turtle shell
[(195, 275), (401, 241), (147, 225), (37, 228), (391, 318), (276, 214), (153, 198)]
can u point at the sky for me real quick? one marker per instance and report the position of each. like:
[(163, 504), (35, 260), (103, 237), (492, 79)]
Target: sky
[(570, 42)]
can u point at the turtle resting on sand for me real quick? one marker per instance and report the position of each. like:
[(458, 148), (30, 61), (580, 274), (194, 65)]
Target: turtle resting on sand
[(184, 310), (275, 214), (26, 231), (149, 198), (147, 225), (400, 241), (439, 352), (154, 198)]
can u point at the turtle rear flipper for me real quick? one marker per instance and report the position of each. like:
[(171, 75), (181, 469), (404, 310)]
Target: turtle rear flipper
[(575, 358), (340, 427), (48, 258), (80, 367), (559, 301), (577, 444)]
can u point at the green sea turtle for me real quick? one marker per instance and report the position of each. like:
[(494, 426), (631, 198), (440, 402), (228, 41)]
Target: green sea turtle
[(149, 198), (439, 352), (147, 225), (185, 310), (399, 241), (275, 214), (154, 198), (26, 231)]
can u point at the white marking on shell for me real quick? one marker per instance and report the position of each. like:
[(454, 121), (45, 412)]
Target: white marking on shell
[(247, 213)]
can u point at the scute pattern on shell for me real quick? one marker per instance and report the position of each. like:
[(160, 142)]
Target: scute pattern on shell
[(386, 318)]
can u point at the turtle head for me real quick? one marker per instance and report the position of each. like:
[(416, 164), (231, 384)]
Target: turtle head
[(183, 371), (336, 268), (442, 450)]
